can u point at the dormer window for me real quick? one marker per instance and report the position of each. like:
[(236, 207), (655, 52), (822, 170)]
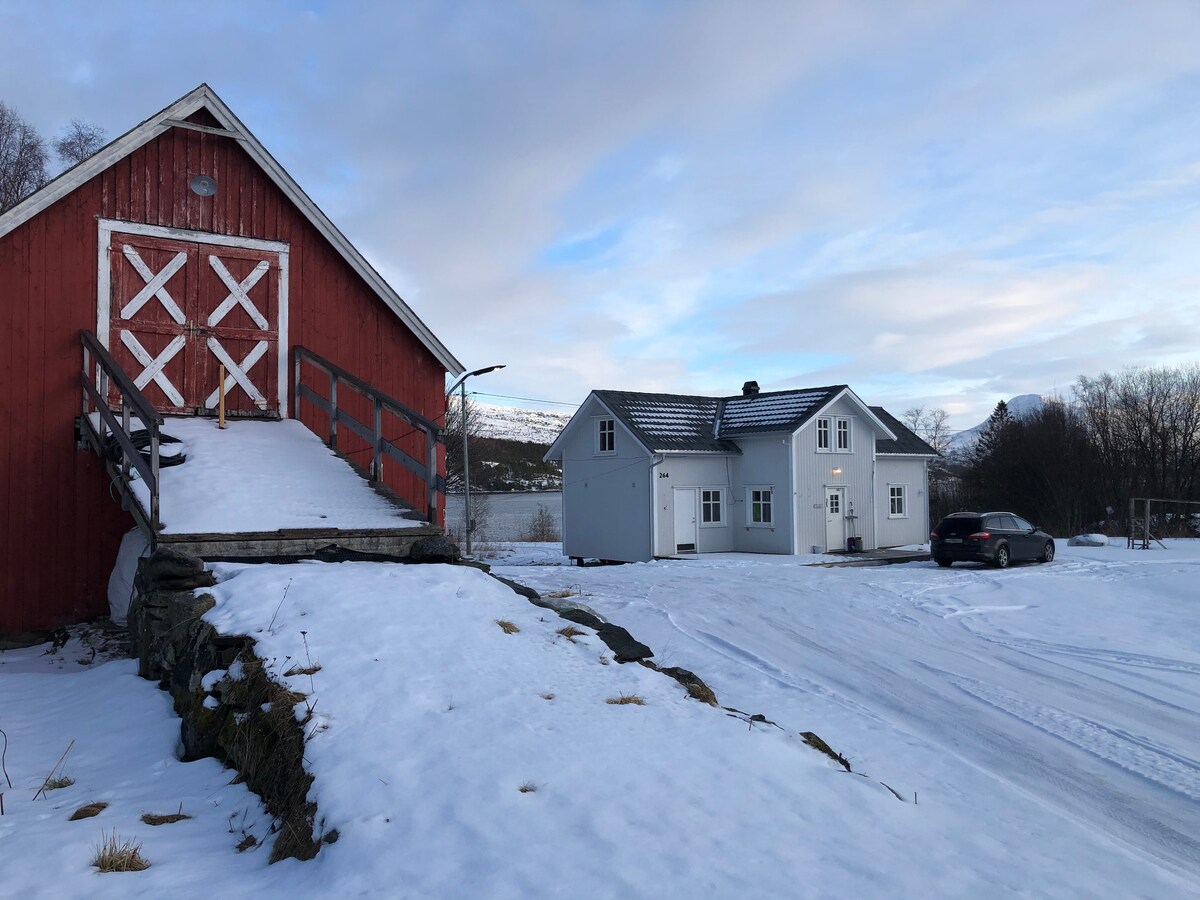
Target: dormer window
[(606, 436)]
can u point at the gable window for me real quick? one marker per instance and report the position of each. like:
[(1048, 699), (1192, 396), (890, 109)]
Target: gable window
[(760, 506), (833, 434), (711, 512), (606, 436), (897, 501), (843, 435)]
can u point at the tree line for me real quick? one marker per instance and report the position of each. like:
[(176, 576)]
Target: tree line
[(1073, 465), (25, 154)]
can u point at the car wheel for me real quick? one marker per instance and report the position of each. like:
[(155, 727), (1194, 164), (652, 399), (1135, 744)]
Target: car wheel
[(945, 563), (1001, 559), (1048, 553)]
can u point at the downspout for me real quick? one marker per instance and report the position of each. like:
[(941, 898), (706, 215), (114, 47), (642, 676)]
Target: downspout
[(655, 459), (795, 494)]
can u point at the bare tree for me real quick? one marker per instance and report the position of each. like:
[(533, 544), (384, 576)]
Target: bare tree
[(22, 158), (78, 141)]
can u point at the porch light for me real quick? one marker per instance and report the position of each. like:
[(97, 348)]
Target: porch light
[(837, 471)]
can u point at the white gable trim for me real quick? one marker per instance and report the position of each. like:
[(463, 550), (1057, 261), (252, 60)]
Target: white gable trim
[(555, 451), (866, 411), (204, 97)]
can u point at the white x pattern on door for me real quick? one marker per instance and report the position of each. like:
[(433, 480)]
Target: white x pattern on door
[(237, 374), (154, 365), (154, 285), (238, 296)]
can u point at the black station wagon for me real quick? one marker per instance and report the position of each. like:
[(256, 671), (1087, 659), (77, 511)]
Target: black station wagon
[(993, 537)]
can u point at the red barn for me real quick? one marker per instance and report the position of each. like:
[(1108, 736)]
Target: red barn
[(180, 248)]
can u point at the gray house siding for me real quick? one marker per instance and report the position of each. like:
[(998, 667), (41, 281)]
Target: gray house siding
[(606, 498), (764, 462), (674, 480), (815, 472), (913, 474)]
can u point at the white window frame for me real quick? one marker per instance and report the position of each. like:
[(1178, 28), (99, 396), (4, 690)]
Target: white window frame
[(719, 506), (903, 498), (843, 427), (824, 435), (753, 489), (601, 432)]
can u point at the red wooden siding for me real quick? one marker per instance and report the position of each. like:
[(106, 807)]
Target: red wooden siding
[(60, 528)]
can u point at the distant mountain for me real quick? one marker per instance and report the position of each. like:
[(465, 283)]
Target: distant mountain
[(1018, 407), (509, 423)]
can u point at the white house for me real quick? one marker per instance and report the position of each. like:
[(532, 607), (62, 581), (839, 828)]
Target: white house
[(651, 475)]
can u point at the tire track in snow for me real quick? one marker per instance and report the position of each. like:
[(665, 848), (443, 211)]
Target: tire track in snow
[(1139, 755)]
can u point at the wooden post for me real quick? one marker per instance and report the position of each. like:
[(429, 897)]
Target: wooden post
[(221, 400)]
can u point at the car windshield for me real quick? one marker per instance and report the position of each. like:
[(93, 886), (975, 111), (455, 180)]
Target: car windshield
[(959, 525)]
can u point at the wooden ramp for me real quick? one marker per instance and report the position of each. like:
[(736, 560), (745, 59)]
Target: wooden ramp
[(255, 489)]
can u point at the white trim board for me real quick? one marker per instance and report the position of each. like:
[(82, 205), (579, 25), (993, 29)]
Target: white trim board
[(203, 97)]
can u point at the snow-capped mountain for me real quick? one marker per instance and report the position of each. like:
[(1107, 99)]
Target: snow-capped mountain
[(1018, 407), (510, 423)]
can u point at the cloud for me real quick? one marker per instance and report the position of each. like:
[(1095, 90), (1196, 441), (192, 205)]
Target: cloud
[(929, 201)]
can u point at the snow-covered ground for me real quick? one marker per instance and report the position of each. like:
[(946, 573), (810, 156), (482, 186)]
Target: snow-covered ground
[(1043, 718)]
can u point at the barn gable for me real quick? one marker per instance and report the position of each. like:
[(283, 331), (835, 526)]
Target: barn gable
[(202, 110)]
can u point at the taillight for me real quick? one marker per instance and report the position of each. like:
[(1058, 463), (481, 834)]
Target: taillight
[(979, 536)]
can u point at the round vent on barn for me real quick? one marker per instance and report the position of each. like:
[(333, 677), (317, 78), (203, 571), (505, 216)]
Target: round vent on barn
[(203, 185)]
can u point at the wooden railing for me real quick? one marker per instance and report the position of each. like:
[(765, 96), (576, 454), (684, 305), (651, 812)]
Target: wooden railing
[(380, 445), (101, 374)]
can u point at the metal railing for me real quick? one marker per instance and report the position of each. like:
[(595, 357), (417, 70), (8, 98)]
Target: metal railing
[(101, 375), (380, 446)]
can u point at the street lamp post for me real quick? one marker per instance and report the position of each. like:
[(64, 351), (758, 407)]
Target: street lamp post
[(462, 384)]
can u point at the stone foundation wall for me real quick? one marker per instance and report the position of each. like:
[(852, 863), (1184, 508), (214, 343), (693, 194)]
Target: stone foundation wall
[(237, 713)]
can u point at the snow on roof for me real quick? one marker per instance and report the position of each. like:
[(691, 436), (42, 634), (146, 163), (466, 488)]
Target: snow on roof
[(686, 422), (778, 411), (668, 421)]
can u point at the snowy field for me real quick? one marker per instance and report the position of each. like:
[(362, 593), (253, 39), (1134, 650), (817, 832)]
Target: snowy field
[(1044, 719)]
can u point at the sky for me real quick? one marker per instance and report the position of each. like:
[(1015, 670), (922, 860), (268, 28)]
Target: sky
[(938, 203)]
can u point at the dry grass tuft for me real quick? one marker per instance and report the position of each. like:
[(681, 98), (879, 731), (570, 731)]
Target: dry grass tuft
[(170, 819), (115, 855), (527, 788), (570, 632), (246, 843), (60, 781), (507, 627), (547, 696), (604, 659), (87, 812), (561, 595), (303, 670), (626, 700)]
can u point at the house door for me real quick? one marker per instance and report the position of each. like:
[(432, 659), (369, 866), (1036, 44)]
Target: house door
[(835, 518), (177, 310), (685, 520)]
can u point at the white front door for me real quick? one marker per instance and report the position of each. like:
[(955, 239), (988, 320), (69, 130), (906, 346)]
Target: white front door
[(685, 520), (835, 518)]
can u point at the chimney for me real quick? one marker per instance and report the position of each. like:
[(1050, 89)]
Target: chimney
[(750, 389)]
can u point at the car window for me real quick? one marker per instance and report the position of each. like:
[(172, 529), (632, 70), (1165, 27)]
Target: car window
[(958, 525), (993, 523), (1022, 525), (1008, 523)]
